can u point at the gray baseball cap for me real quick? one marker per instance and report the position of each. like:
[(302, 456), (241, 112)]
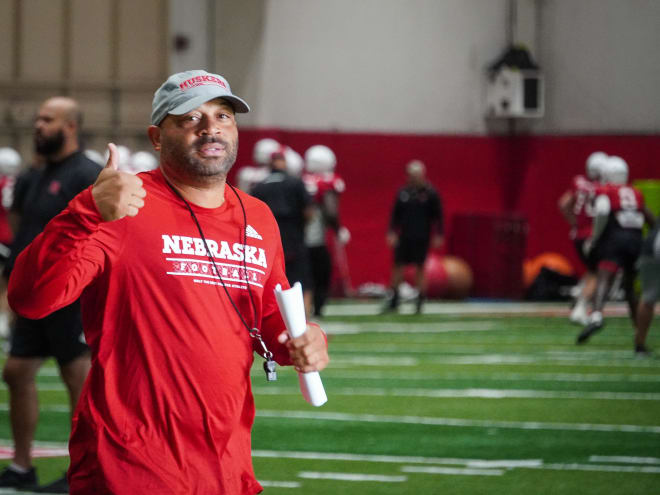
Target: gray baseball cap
[(187, 90)]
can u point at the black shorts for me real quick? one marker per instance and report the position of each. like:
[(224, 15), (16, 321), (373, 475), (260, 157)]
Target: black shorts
[(591, 261), (59, 335), (621, 247), (298, 269), (409, 251)]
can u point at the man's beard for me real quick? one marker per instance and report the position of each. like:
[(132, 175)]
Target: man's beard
[(202, 169), (49, 145)]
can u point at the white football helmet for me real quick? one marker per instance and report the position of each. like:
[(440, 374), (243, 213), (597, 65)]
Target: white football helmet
[(95, 156), (320, 159), (294, 162), (10, 161), (616, 170), (263, 149), (143, 161), (595, 165)]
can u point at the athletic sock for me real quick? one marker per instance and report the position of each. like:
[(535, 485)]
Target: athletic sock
[(18, 469)]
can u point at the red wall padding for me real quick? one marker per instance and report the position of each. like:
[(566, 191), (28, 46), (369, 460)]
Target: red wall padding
[(523, 175)]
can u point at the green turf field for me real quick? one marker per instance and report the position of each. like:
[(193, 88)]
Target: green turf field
[(449, 402)]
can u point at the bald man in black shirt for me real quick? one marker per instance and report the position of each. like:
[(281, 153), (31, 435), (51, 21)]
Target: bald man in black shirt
[(42, 193), (415, 225), (290, 203)]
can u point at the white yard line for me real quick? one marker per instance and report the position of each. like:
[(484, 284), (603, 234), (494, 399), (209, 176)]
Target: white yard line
[(334, 328), (469, 423), (544, 360), (431, 465), (280, 484), (13, 491), (472, 393), (596, 467), (44, 387), (404, 362), (47, 445), (452, 471), (504, 463), (486, 467), (329, 456), (340, 360), (528, 377), (345, 361), (53, 408), (470, 308), (316, 475), (624, 459)]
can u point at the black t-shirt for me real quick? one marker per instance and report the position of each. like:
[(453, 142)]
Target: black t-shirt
[(43, 193), (417, 210), (287, 198)]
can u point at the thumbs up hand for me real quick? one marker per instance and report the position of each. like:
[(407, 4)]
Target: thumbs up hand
[(117, 194)]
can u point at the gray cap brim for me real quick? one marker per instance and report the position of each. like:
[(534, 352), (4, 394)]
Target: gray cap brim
[(237, 103)]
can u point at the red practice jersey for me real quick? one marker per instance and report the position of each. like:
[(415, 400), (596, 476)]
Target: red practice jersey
[(584, 192), (319, 184), (167, 406), (626, 206)]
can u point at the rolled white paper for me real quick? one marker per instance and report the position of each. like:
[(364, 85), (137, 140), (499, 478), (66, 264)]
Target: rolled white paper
[(292, 308)]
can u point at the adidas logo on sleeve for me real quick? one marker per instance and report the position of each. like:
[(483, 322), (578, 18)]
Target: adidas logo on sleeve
[(251, 232)]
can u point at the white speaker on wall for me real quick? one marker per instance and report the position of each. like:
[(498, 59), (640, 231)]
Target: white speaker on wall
[(513, 92)]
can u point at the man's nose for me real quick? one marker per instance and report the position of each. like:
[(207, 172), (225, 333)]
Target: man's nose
[(210, 126)]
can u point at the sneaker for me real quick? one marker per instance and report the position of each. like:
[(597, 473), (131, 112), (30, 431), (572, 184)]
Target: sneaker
[(641, 351), (594, 325), (14, 479), (579, 315), (392, 303), (58, 486)]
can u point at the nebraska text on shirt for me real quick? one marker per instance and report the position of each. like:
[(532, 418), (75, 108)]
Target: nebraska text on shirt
[(193, 245)]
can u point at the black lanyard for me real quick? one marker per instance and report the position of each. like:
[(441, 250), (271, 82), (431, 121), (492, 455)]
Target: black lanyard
[(269, 364)]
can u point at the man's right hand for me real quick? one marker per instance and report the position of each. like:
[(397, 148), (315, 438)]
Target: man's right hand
[(117, 194), (392, 239)]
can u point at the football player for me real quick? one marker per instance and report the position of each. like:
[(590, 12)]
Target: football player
[(10, 164), (249, 175), (325, 187), (576, 204), (619, 215)]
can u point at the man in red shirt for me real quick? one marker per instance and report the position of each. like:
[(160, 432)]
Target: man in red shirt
[(619, 217), (576, 204), (176, 270)]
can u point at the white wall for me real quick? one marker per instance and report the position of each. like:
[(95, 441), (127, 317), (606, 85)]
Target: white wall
[(418, 65), (188, 18), (377, 65), (352, 65), (602, 64)]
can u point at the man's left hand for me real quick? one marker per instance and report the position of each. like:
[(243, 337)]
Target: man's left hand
[(437, 241), (309, 352)]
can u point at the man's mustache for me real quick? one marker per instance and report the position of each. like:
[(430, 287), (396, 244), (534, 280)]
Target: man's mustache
[(201, 141)]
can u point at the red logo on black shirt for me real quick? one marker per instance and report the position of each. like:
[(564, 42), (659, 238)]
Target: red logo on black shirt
[(54, 187)]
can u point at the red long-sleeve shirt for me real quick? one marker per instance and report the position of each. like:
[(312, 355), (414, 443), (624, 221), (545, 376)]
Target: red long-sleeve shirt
[(167, 407)]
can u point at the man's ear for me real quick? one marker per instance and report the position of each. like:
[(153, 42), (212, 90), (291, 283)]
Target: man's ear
[(154, 136), (71, 129)]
